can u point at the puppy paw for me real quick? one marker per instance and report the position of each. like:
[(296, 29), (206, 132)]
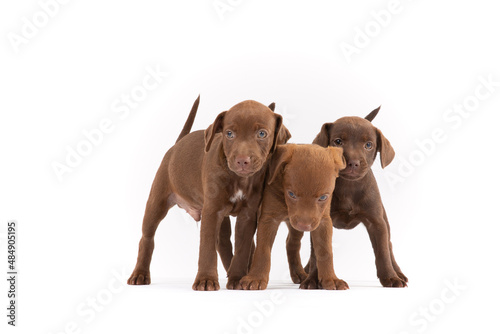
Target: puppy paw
[(333, 284), (310, 283), (402, 276), (253, 283), (206, 284), (298, 275), (139, 278), (393, 282), (233, 284)]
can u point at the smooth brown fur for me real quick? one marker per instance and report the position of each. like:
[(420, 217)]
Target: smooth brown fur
[(356, 198), (213, 174), (300, 182)]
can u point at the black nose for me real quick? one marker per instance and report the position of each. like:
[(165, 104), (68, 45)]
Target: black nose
[(354, 164)]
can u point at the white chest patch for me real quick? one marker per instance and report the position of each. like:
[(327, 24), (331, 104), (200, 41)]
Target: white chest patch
[(238, 196)]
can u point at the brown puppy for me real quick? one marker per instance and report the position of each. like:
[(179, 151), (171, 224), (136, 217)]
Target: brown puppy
[(300, 183), (356, 198), (213, 174)]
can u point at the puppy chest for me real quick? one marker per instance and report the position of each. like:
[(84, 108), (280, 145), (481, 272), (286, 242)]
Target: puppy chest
[(345, 214), (238, 199), (237, 196)]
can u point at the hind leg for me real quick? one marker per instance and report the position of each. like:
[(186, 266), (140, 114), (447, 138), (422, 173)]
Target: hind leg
[(159, 202)]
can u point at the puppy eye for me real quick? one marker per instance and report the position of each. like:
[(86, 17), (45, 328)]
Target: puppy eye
[(338, 142), (323, 198), (229, 134), (292, 195), (369, 145), (262, 134)]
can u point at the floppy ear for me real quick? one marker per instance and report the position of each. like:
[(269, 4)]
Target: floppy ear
[(215, 127), (279, 160), (384, 147), (323, 137), (277, 129), (271, 106), (372, 115), (338, 156), (284, 135)]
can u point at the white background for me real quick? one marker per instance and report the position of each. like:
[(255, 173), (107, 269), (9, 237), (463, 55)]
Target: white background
[(77, 235)]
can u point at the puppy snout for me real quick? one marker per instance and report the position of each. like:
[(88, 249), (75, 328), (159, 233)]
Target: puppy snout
[(353, 164), (304, 227), (304, 223), (243, 161)]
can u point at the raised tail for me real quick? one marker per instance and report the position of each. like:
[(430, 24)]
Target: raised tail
[(190, 120)]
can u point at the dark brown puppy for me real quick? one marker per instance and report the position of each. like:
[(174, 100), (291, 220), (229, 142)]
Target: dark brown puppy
[(213, 174), (224, 245), (300, 183), (356, 198)]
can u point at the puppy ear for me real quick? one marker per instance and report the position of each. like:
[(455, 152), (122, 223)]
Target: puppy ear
[(284, 135), (214, 128), (338, 156), (323, 137), (277, 129), (279, 160), (372, 115), (384, 147)]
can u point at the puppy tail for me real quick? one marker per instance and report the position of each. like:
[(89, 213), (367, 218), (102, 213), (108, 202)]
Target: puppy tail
[(190, 120)]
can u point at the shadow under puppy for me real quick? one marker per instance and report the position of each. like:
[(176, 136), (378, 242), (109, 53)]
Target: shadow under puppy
[(356, 198), (213, 174), (298, 191)]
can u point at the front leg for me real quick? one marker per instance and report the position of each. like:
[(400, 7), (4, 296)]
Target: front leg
[(393, 260), (258, 277), (293, 243), (224, 245), (311, 281), (246, 224), (322, 243), (379, 236), (207, 278)]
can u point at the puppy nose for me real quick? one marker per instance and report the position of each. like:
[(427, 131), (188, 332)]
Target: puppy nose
[(302, 226), (353, 164), (243, 161)]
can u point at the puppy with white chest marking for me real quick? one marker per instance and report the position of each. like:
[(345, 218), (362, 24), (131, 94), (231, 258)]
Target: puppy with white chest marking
[(213, 174)]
